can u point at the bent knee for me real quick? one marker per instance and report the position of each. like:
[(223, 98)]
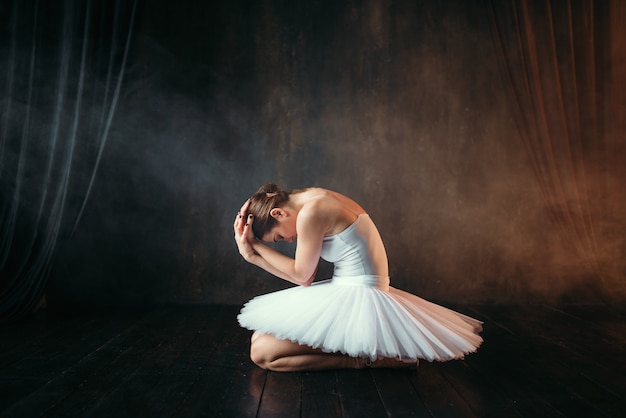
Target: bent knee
[(261, 352), (255, 335)]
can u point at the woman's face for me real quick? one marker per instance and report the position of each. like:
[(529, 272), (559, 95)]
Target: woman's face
[(284, 230)]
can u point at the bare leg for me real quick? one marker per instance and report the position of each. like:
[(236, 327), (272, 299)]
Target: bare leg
[(271, 353)]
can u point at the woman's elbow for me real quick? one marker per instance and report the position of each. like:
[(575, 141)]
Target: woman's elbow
[(306, 282), (304, 276)]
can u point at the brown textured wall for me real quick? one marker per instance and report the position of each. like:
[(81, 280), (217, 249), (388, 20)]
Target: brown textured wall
[(399, 104)]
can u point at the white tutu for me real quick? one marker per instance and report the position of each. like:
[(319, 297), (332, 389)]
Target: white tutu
[(363, 321), (357, 313)]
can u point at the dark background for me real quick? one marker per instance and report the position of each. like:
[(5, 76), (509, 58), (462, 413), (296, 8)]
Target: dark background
[(402, 105)]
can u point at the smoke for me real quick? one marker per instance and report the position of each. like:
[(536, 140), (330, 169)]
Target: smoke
[(399, 106)]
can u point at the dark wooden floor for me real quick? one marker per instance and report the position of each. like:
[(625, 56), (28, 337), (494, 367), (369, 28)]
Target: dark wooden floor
[(537, 361)]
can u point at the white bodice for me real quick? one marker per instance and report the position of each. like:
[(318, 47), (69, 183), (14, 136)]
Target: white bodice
[(358, 254)]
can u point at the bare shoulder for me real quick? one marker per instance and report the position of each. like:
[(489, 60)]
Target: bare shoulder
[(330, 210), (319, 207)]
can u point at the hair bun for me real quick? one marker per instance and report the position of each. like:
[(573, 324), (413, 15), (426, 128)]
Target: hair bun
[(269, 188), (268, 196)]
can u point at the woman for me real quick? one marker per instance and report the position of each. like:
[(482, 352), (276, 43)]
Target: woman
[(353, 320)]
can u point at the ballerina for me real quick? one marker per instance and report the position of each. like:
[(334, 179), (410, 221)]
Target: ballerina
[(353, 320)]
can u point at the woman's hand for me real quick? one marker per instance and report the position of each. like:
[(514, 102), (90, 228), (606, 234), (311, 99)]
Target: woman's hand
[(266, 257), (243, 233)]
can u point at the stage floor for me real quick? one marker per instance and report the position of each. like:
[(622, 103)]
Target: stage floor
[(537, 361)]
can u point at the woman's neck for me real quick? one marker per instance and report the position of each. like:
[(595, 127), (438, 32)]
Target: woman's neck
[(296, 201)]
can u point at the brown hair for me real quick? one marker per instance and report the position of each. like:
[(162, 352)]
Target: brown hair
[(268, 197)]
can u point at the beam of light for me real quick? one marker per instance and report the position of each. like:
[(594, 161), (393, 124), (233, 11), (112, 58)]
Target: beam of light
[(7, 239), (7, 233), (111, 113)]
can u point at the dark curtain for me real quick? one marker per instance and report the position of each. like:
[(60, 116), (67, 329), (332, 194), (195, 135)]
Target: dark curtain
[(563, 62), (63, 64)]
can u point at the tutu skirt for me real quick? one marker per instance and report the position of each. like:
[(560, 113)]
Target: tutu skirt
[(359, 320)]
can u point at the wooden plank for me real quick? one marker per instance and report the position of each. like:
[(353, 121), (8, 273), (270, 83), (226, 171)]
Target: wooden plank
[(539, 365), (177, 381), (34, 346), (206, 393), (441, 398), (320, 395), (216, 375), (397, 393), (194, 361), (71, 360), (358, 393), (243, 396), (16, 339), (597, 334), (281, 396), (119, 361), (596, 339), (566, 350), (138, 391), (482, 394)]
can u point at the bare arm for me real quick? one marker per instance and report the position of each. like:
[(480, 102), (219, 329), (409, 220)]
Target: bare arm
[(300, 270), (279, 264)]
